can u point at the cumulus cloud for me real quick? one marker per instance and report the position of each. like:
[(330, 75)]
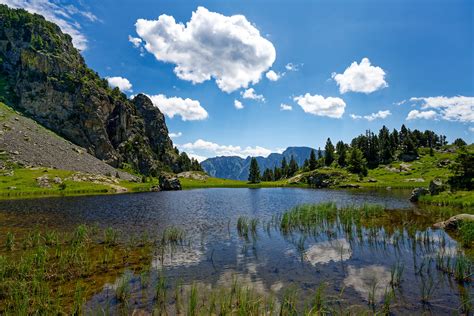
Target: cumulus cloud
[(188, 109), (471, 129), (175, 135), (238, 105), (285, 107), (210, 149), (321, 106), (250, 94), (458, 108), (122, 83), (427, 115), (228, 49), (65, 16), (273, 76), (373, 116), (361, 77)]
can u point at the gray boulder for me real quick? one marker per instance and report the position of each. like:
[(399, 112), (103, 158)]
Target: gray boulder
[(417, 192), (453, 222), (169, 183), (436, 186)]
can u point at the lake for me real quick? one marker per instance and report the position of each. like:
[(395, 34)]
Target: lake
[(353, 264)]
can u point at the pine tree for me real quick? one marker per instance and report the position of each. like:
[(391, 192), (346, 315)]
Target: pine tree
[(341, 150), (320, 153), (328, 153), (313, 163), (276, 173), (292, 167), (254, 171), (357, 163), (284, 168), (386, 151)]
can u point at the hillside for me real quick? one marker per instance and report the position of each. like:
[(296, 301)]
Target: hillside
[(43, 76), (28, 144), (237, 168)]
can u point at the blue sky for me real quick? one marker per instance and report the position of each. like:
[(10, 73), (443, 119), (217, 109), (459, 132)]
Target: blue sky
[(418, 51)]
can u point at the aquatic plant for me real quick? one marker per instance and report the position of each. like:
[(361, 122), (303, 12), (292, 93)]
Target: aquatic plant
[(243, 226), (122, 292), (10, 242), (396, 273), (172, 236), (110, 236), (193, 301)]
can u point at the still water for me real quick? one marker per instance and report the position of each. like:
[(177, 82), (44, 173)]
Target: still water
[(356, 270)]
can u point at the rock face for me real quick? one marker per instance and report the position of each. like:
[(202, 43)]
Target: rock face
[(169, 183), (417, 192), (46, 78)]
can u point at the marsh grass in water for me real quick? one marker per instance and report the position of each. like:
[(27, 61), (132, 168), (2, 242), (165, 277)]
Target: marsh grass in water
[(55, 273)]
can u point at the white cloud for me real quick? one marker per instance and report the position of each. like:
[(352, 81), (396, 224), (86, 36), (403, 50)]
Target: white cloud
[(199, 158), (228, 49), (361, 77), (471, 129), (250, 94), (427, 115), (321, 106), (188, 109), (136, 41), (122, 83), (63, 16), (238, 105), (210, 149), (293, 67), (373, 116), (273, 76), (285, 107), (175, 135), (458, 108)]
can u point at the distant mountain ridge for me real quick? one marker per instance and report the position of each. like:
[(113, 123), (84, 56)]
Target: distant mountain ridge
[(237, 168)]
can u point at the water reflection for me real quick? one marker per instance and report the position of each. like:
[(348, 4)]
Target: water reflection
[(327, 251), (371, 280)]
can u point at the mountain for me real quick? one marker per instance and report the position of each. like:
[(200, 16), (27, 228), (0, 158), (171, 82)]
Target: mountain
[(238, 168), (44, 77)]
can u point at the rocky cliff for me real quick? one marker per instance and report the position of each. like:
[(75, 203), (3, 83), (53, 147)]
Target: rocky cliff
[(45, 77)]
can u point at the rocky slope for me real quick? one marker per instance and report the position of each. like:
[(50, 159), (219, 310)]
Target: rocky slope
[(24, 142), (45, 77), (237, 168)]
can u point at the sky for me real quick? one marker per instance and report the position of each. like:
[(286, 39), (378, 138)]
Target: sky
[(254, 77)]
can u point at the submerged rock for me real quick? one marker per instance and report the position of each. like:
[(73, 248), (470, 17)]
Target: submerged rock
[(417, 192), (169, 183)]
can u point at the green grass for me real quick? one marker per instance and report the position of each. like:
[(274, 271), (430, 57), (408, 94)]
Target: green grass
[(23, 184), (461, 199), (227, 183)]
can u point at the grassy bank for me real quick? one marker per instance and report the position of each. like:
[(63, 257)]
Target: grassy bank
[(460, 199), (23, 183), (227, 183)]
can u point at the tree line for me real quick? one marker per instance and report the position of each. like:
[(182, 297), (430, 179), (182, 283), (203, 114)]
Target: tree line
[(366, 151)]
